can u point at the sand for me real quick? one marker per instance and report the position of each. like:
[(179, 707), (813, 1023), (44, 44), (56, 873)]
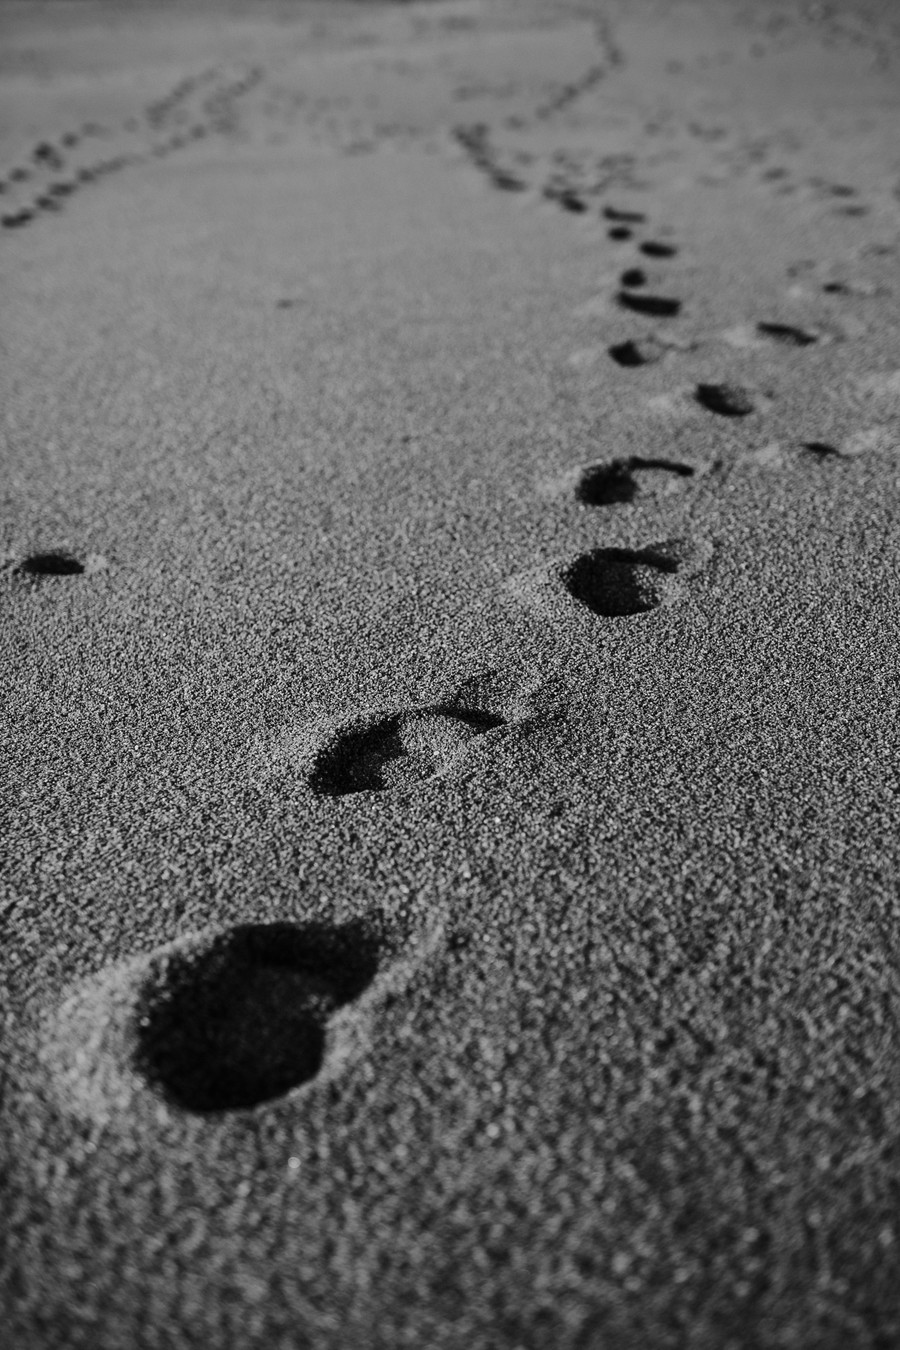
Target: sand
[(449, 573)]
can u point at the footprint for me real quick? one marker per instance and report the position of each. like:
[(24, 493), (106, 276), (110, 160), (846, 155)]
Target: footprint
[(48, 155), (619, 582), (877, 440), (787, 333), (567, 198), (624, 217), (626, 480), (865, 289), (242, 1018), (51, 565), (660, 307), (728, 400), (615, 582), (398, 749), (56, 564), (749, 336), (223, 1020), (637, 352), (651, 248)]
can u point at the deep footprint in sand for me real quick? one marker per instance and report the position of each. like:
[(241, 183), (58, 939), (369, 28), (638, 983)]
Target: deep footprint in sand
[(222, 1020), (51, 565), (397, 750), (620, 582), (58, 563), (616, 583), (629, 479), (242, 1019)]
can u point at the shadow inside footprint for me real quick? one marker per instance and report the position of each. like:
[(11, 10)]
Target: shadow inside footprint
[(242, 1019), (615, 582), (567, 198), (625, 217), (398, 750), (660, 306), (622, 480), (636, 352), (728, 400), (652, 248), (51, 565), (787, 333)]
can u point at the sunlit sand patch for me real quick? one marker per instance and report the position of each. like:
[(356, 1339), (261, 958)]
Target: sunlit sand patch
[(769, 456), (874, 440)]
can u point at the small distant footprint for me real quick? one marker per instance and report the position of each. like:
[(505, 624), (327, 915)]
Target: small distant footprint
[(567, 198), (223, 1020), (651, 248), (660, 307), (787, 333), (624, 217), (637, 352), (757, 335), (871, 440), (728, 400)]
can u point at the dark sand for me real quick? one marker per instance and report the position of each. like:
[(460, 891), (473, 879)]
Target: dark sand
[(450, 882)]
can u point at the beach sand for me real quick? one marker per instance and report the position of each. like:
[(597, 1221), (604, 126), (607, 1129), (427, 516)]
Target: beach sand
[(451, 464)]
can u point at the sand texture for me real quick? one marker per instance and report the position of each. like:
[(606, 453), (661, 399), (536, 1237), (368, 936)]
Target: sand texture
[(450, 881)]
